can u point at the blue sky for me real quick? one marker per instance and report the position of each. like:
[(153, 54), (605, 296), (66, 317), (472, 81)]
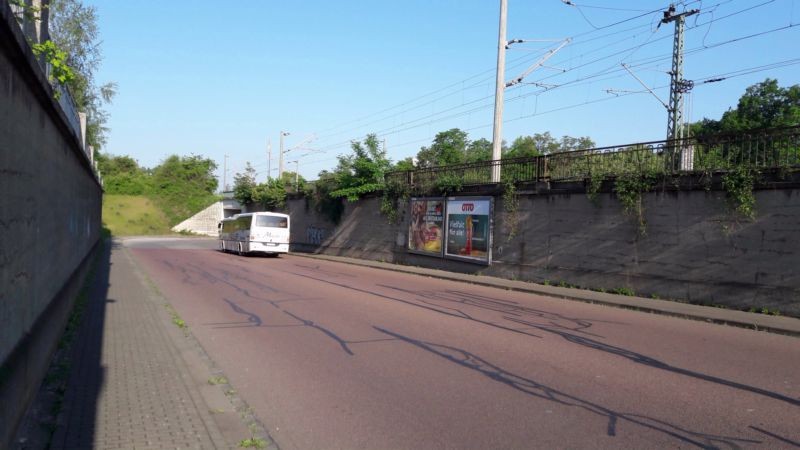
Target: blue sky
[(215, 78)]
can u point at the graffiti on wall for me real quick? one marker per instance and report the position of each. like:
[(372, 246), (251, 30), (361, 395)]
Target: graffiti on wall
[(315, 235)]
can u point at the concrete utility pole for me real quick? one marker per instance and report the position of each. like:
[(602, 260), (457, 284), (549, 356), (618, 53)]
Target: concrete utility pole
[(269, 159), (497, 133), (225, 174), (280, 157), (677, 86)]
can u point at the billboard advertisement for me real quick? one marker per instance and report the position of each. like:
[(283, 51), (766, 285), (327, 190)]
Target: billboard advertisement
[(426, 229), (469, 229)]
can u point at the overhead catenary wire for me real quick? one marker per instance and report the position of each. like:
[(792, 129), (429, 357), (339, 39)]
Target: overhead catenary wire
[(408, 125), (698, 82), (585, 64), (325, 132), (470, 106)]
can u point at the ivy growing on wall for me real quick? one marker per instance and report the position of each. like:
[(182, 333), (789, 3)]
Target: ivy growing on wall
[(394, 194), (59, 70), (593, 184), (511, 208), (739, 184), (629, 188)]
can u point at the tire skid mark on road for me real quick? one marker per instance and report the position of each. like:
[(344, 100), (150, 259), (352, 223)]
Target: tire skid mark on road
[(531, 387), (191, 270), (505, 307), (186, 278), (561, 330), (457, 314), (226, 279), (253, 320), (318, 268), (655, 363)]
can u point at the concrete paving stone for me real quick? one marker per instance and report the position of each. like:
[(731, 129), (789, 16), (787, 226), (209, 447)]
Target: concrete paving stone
[(128, 387)]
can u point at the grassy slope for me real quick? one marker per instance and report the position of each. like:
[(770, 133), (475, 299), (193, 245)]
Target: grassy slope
[(131, 215)]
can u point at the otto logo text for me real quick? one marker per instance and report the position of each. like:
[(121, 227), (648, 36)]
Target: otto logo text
[(468, 207)]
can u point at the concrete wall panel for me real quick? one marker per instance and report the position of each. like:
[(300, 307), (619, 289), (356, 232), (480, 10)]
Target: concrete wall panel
[(50, 203), (693, 248)]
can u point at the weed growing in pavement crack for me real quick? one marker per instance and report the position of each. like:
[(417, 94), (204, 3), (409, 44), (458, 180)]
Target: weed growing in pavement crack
[(623, 291), (217, 380), (253, 442), (176, 319)]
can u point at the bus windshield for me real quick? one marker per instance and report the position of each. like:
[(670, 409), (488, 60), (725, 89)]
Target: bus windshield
[(272, 222)]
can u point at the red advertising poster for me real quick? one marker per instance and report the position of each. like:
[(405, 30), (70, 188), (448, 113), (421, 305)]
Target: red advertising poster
[(426, 230)]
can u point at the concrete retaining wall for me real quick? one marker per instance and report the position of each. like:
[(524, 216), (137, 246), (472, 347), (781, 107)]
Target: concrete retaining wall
[(694, 248), (50, 203), (205, 222)]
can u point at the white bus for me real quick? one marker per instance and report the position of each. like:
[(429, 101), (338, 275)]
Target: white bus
[(265, 232)]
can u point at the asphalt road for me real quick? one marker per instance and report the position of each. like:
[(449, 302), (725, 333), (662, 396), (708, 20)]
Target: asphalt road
[(331, 355)]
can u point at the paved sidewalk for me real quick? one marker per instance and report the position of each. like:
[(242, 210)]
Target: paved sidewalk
[(775, 324), (130, 383)]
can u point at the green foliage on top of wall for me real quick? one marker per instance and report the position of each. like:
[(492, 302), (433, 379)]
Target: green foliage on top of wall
[(362, 171), (181, 185), (321, 201), (59, 70)]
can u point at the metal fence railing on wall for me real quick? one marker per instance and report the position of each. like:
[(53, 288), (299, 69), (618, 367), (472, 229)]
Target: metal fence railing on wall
[(761, 149)]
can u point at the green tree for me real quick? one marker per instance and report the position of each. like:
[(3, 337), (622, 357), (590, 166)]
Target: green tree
[(545, 143), (362, 171), (244, 185), (321, 199), (293, 181), (193, 171), (522, 146), (271, 194), (478, 150), (569, 143), (122, 175), (113, 165), (184, 185), (74, 30), (448, 147), (763, 105), (404, 164)]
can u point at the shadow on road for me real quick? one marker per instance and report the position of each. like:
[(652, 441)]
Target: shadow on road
[(498, 313), (531, 387)]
